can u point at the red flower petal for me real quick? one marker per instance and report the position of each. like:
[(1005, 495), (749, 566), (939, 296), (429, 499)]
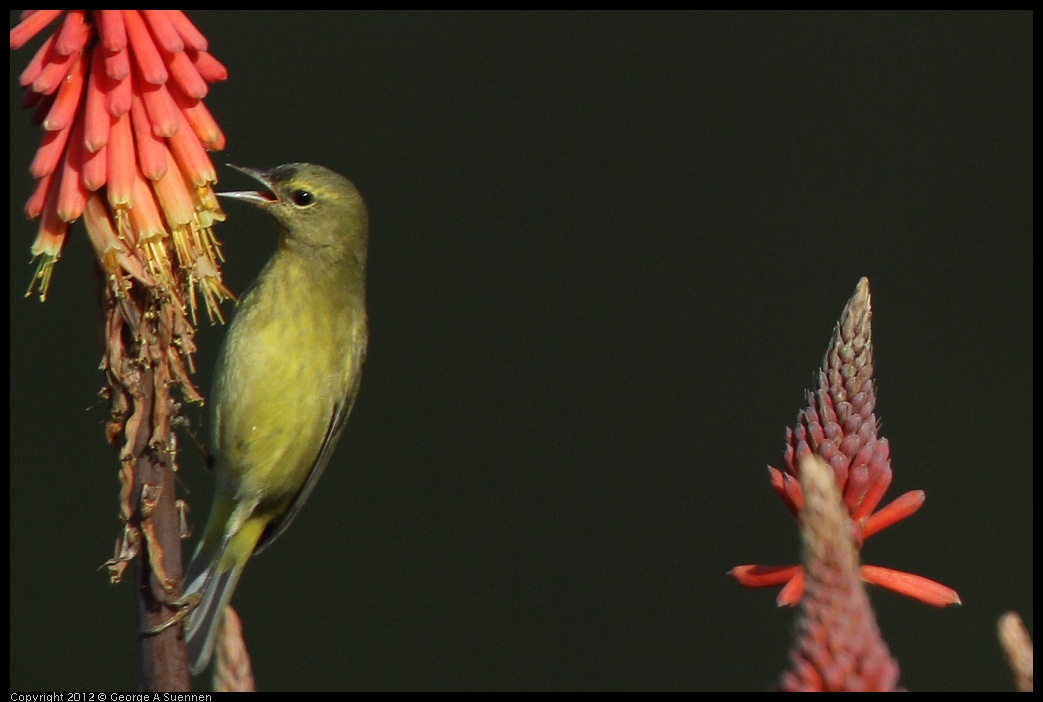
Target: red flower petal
[(787, 488), (188, 32), (74, 33), (152, 150), (910, 585), (53, 73), (31, 25), (111, 29), (37, 62), (97, 120), (117, 65), (792, 592), (880, 476), (210, 68), (67, 100), (72, 196), (764, 576), (186, 76), (51, 149), (122, 168), (163, 30), (903, 506), (95, 169), (146, 56)]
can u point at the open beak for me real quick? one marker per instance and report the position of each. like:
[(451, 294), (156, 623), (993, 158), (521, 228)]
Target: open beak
[(261, 198)]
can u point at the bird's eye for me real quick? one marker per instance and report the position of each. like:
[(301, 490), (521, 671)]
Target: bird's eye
[(302, 198)]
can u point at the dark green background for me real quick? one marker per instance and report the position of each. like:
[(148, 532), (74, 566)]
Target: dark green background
[(608, 251)]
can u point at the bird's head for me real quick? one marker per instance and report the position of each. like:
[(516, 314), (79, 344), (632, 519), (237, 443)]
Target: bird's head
[(314, 207)]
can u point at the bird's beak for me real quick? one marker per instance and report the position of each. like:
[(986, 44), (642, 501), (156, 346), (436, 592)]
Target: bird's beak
[(260, 198)]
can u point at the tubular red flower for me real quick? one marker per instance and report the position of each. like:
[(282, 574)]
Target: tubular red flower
[(33, 22), (914, 586), (186, 76), (162, 28), (67, 100), (792, 592), (203, 124), (210, 69), (146, 55), (118, 91), (73, 35), (903, 506), (72, 195), (840, 427), (36, 64), (49, 154), (96, 119), (34, 205), (764, 576), (54, 71), (152, 148), (95, 168), (112, 30), (122, 162), (187, 31)]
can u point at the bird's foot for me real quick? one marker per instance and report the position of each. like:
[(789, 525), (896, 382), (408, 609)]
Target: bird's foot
[(184, 606)]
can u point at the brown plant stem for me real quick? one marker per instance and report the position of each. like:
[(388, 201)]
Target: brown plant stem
[(164, 659), (139, 381)]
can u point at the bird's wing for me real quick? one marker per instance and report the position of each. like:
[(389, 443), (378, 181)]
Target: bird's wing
[(338, 418)]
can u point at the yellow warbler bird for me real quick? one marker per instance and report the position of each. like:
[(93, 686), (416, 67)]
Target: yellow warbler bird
[(285, 381)]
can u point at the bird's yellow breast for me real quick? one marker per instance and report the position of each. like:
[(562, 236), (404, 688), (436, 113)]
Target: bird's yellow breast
[(290, 357)]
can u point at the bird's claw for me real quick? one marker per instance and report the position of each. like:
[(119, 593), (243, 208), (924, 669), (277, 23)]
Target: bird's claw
[(185, 606)]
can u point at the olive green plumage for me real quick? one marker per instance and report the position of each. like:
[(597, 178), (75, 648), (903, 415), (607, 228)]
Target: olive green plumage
[(285, 381)]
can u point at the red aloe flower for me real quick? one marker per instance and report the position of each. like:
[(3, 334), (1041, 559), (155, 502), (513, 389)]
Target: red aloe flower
[(838, 646), (840, 427), (119, 96)]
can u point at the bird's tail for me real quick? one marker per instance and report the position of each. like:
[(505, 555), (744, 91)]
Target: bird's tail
[(215, 587), (228, 542)]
